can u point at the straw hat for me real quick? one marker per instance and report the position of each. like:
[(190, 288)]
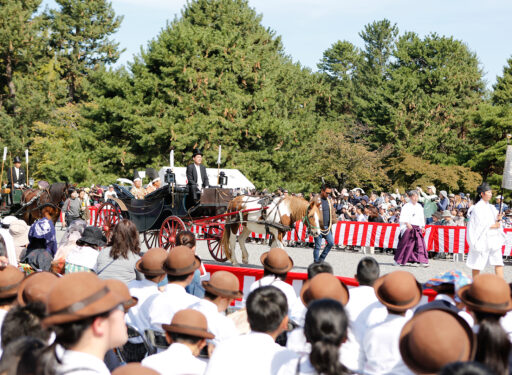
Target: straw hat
[(189, 322), (398, 290), (120, 288), (276, 261), (10, 280), (35, 287), (134, 369), (223, 284), (434, 338), (488, 293), (324, 285), (181, 261), (77, 296), (151, 263)]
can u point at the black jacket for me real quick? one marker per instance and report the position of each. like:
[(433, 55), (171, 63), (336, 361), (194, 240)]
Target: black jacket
[(21, 177), (192, 175)]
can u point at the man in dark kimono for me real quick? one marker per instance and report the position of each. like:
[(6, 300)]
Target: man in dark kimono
[(411, 246)]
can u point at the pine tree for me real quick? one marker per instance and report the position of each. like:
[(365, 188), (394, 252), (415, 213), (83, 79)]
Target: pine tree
[(80, 31)]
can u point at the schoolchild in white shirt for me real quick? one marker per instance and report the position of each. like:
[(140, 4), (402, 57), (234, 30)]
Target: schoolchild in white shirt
[(187, 335), (222, 288), (276, 264), (398, 291), (358, 308), (326, 330), (180, 264), (87, 316), (256, 353)]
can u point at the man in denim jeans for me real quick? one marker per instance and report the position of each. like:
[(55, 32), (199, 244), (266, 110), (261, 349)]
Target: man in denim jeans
[(327, 220)]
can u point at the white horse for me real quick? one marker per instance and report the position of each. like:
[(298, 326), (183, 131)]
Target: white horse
[(283, 211)]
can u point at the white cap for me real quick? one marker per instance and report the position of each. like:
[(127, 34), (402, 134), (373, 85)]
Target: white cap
[(137, 179), (499, 197), (156, 179)]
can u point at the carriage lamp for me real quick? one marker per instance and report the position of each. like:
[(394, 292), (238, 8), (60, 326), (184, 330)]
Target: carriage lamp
[(223, 179), (170, 177)]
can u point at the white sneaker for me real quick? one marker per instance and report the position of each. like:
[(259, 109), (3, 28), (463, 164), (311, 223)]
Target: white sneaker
[(396, 264), (425, 265)]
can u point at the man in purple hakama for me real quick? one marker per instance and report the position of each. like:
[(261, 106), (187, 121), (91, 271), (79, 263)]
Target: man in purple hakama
[(411, 246)]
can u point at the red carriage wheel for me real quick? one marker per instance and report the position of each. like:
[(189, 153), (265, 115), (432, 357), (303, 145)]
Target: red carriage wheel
[(151, 238), (107, 217), (168, 231), (214, 240)]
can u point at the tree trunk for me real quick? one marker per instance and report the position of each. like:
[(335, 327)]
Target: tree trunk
[(10, 83)]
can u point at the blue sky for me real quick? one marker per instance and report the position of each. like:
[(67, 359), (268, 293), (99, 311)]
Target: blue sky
[(309, 27)]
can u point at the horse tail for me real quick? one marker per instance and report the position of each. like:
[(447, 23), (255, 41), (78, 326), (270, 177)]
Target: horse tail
[(225, 240)]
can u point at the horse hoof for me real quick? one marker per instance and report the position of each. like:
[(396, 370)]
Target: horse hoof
[(245, 261)]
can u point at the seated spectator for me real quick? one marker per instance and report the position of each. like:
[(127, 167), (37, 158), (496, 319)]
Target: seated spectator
[(44, 228), (321, 286), (18, 229), (256, 353), (460, 217), (374, 216), (25, 321), (35, 288), (187, 335), (118, 260), (134, 369), (20, 356), (187, 238), (488, 298), (398, 291), (437, 218), (10, 280), (222, 288), (316, 268), (84, 255), (179, 265), (434, 338), (88, 320), (66, 244), (362, 299), (37, 255), (447, 218), (326, 330), (276, 264)]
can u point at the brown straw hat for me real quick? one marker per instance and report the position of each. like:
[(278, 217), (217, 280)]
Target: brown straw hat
[(77, 296), (488, 293), (120, 288), (10, 280), (223, 284), (398, 290), (434, 338), (151, 263), (134, 369), (189, 322), (276, 261), (181, 261), (324, 285), (35, 287)]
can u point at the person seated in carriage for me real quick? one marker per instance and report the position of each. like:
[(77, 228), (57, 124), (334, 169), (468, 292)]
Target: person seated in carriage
[(196, 175), (138, 191), (154, 185)]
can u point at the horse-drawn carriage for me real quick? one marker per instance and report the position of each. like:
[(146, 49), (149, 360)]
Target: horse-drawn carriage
[(168, 210)]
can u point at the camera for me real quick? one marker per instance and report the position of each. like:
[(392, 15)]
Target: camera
[(170, 177)]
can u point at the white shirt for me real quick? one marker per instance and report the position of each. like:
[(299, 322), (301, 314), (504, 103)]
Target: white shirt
[(3, 313), (413, 214), (177, 359), (290, 367), (83, 256), (163, 307), (110, 194), (252, 354), (361, 301), (142, 290), (479, 235), (199, 178), (463, 314), (381, 348), (78, 363), (295, 305), (221, 326)]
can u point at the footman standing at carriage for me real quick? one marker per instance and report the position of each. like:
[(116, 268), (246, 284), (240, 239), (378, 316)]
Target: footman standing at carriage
[(328, 219), (484, 234), (196, 175), (411, 246)]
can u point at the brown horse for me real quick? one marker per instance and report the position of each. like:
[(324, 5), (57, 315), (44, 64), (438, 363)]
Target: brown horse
[(53, 196), (283, 212)]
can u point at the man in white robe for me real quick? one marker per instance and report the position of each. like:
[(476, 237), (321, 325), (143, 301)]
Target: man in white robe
[(485, 234)]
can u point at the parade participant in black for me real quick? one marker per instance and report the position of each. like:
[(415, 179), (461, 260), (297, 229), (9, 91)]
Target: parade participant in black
[(196, 175), (15, 176), (328, 219)]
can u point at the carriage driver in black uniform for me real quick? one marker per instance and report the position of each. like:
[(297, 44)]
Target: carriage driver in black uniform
[(15, 176), (196, 175)]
